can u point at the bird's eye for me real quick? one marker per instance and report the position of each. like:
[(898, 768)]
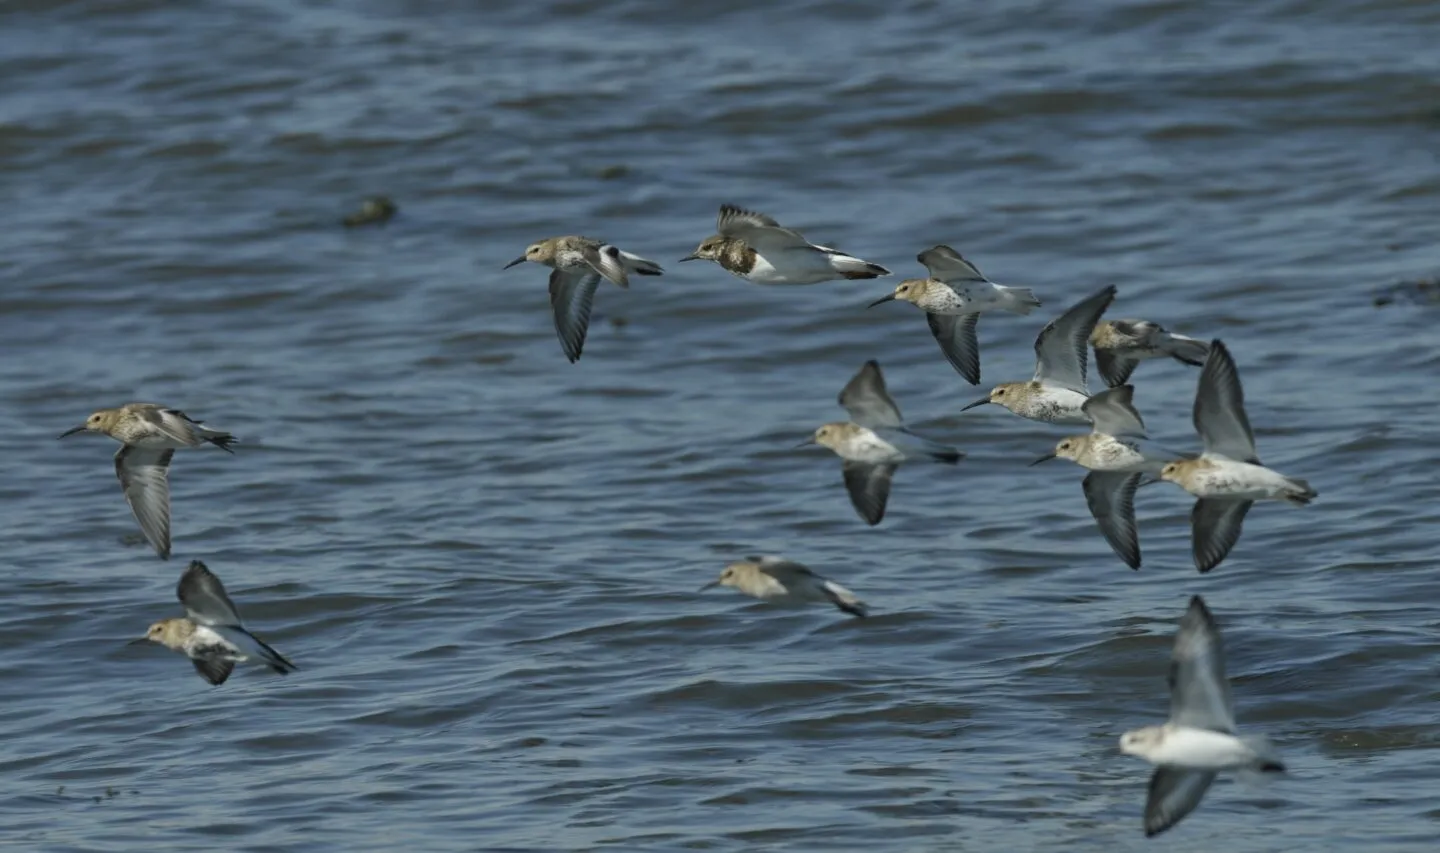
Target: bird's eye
[(999, 392)]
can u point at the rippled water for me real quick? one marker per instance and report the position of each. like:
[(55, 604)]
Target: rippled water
[(484, 558)]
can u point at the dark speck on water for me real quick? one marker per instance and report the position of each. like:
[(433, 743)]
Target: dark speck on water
[(484, 558), (372, 211)]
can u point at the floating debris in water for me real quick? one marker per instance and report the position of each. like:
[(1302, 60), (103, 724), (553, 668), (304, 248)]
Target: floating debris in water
[(1420, 291), (375, 210)]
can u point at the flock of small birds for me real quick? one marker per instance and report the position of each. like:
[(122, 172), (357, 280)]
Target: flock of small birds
[(1226, 476)]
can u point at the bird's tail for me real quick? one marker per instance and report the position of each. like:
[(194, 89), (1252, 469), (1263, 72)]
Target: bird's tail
[(1267, 760), (854, 268), (1018, 300), (1187, 350), (844, 599), (639, 265), (1298, 491), (272, 658), (222, 440)]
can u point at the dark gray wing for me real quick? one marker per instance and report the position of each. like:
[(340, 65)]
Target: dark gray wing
[(1112, 412), (1111, 496), (1199, 690), (1062, 349), (1174, 793), (946, 264), (205, 599), (1215, 525), (144, 478), (605, 259), (956, 336), (213, 669), (1114, 367), (571, 295), (869, 487), (867, 400), (1220, 408)]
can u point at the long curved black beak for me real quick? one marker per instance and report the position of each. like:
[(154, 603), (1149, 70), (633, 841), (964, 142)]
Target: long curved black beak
[(690, 257), (80, 428), (1046, 458), (807, 442), (519, 260), (882, 300), (138, 640), (980, 402), (710, 585)]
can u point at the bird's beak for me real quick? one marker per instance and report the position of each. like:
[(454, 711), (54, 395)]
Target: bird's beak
[(1046, 458), (807, 442), (690, 257), (138, 640), (519, 260), (980, 402), (710, 585), (1149, 482), (889, 297), (80, 428)]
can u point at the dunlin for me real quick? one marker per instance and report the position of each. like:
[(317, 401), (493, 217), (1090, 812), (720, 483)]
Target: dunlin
[(953, 298), (1118, 454), (578, 264), (1228, 476), (1120, 345), (782, 581), (758, 249), (874, 442), (151, 435), (1057, 393), (1200, 738), (211, 633)]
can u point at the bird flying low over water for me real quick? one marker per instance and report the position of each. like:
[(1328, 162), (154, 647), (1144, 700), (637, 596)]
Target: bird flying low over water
[(782, 581), (1057, 392), (578, 264), (150, 434), (1120, 346), (758, 249), (874, 442), (953, 298), (1227, 477), (1118, 455), (211, 633), (1200, 738)]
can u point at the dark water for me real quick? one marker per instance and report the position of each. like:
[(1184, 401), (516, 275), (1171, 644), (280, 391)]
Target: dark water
[(484, 558)]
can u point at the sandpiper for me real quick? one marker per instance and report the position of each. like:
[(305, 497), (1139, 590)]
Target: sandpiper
[(1120, 345), (953, 298), (1228, 476), (578, 264), (211, 633), (1200, 738), (1118, 455), (758, 249), (1057, 393), (874, 442), (782, 581), (150, 434)]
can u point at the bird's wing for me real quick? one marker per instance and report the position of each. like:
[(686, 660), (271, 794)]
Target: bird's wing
[(204, 597), (758, 231), (571, 295), (606, 260), (1111, 497), (956, 336), (1215, 525), (1112, 412), (1220, 409), (1199, 691), (867, 401), (1115, 368), (144, 477), (869, 487), (1062, 348), (946, 264), (213, 669), (1174, 793)]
